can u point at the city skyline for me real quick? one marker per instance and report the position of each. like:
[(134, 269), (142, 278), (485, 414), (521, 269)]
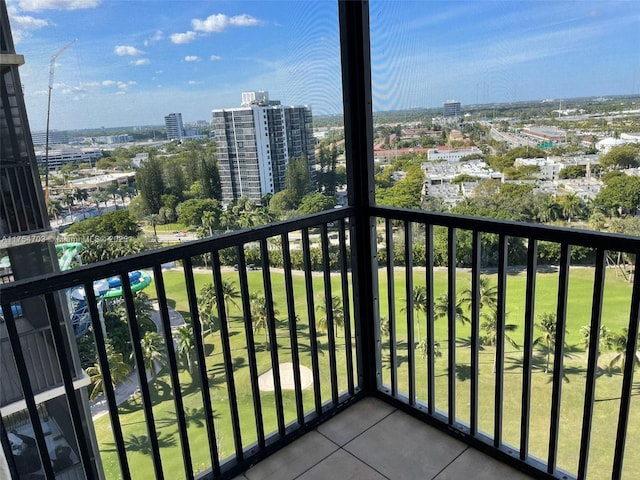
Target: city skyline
[(136, 61)]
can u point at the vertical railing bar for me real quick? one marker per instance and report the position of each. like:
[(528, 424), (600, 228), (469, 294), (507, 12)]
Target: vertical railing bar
[(147, 404), (107, 382), (173, 369), (527, 354), (391, 301), (451, 317), (308, 278), (65, 368), (411, 343), (202, 365), (501, 315), (558, 360), (328, 298), (431, 382), (273, 340), (629, 364), (592, 363), (29, 398), (344, 278), (226, 355), (475, 330), (251, 346), (293, 326)]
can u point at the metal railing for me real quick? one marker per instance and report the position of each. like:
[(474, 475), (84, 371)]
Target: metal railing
[(320, 337), (468, 252)]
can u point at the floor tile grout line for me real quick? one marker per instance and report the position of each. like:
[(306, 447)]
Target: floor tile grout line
[(362, 461), (451, 462), (361, 433)]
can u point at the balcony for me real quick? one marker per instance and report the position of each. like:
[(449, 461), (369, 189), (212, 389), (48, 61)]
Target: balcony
[(314, 316)]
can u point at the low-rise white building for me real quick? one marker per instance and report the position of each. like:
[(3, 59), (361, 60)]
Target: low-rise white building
[(449, 154), (63, 154)]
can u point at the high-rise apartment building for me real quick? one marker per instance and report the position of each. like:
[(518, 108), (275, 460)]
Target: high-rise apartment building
[(173, 124), (27, 250), (256, 141), (452, 109)]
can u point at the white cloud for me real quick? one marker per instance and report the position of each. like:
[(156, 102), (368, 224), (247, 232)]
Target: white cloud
[(195, 82), (23, 24), (157, 36), (132, 82), (192, 58), (140, 61), (37, 5), (159, 72), (186, 37), (124, 50), (121, 92), (215, 57), (109, 83), (244, 20), (220, 21)]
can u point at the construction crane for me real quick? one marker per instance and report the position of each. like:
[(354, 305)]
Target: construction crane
[(52, 67)]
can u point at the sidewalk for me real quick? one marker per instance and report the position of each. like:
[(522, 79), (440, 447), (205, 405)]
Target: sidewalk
[(125, 390)]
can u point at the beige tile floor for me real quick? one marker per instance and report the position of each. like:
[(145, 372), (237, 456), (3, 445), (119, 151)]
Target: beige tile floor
[(372, 440)]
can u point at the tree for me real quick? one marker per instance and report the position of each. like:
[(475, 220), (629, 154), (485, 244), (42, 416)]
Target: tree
[(230, 293), (488, 296), (281, 203), (259, 314), (489, 333), (118, 370), (419, 296), (336, 310), (620, 192), (621, 157), (142, 309), (207, 309), (153, 220), (298, 178), (112, 224), (191, 212), (315, 203), (150, 183), (54, 209), (152, 352), (184, 338), (547, 325), (572, 206), (605, 340), (620, 345), (209, 221), (441, 309)]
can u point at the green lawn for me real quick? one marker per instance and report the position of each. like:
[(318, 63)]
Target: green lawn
[(615, 316)]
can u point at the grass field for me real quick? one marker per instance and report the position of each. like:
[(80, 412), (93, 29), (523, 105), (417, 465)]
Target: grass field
[(615, 316)]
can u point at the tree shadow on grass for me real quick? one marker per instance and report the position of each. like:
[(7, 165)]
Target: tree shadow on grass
[(193, 417), (140, 443), (400, 359)]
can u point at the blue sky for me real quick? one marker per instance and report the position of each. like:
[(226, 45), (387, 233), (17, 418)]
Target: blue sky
[(135, 61)]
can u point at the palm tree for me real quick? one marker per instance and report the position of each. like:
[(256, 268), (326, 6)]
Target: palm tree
[(441, 308), (152, 352), (54, 209), (153, 220), (209, 220), (336, 310), (488, 295), (620, 345), (230, 293), (259, 314), (605, 341), (142, 308), (419, 305), (572, 206), (184, 337), (118, 370), (549, 210), (547, 324), (207, 305), (489, 334)]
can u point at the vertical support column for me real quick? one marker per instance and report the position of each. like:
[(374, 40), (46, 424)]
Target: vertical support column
[(358, 123)]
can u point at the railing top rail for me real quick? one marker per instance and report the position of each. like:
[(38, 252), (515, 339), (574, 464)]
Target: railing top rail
[(60, 280), (572, 236)]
